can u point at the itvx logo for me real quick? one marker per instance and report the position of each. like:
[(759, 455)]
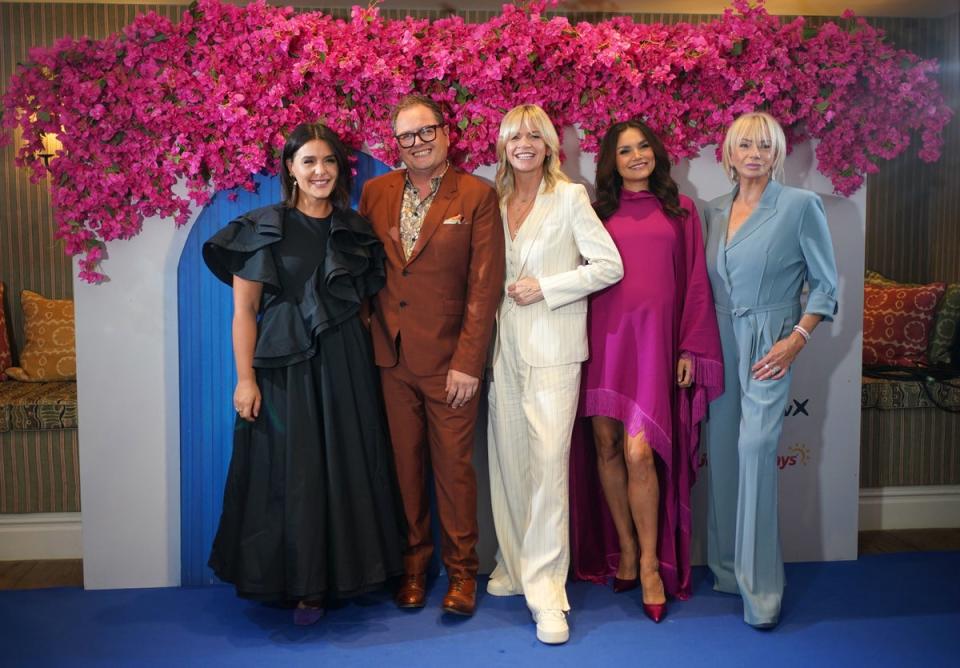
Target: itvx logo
[(797, 454), (798, 408)]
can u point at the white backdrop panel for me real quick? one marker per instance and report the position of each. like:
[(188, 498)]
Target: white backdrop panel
[(128, 388)]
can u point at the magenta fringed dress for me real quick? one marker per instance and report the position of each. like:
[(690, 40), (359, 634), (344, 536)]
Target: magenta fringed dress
[(638, 328)]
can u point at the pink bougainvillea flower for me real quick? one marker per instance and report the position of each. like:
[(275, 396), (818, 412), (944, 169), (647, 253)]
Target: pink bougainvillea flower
[(205, 103)]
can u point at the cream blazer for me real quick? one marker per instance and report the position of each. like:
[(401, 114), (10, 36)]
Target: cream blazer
[(567, 249)]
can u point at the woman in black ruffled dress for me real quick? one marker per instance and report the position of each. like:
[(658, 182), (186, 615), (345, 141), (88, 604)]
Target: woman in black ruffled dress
[(311, 510)]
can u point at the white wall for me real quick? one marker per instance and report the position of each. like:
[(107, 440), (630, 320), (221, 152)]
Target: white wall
[(128, 395), (127, 368)]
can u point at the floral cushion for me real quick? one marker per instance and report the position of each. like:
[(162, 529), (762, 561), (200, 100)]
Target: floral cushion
[(6, 359), (49, 352), (897, 321), (943, 338)]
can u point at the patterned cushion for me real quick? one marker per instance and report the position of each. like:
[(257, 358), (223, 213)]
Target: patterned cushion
[(897, 394), (49, 352), (943, 338), (897, 321), (33, 406), (945, 327), (6, 359)]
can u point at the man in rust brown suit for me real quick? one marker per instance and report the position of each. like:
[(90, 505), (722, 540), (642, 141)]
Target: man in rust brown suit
[(431, 326)]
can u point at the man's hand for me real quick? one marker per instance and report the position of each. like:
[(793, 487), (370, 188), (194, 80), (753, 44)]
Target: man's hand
[(460, 388)]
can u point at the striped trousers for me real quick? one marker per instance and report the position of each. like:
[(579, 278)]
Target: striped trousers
[(531, 410)]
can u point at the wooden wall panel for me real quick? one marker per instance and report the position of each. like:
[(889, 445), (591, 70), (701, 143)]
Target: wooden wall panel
[(913, 208), (30, 256)]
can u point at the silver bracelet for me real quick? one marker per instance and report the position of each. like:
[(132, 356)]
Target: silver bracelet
[(802, 332)]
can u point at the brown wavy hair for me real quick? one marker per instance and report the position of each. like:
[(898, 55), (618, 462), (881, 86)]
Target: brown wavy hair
[(610, 183)]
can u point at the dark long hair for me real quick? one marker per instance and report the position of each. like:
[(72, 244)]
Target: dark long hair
[(306, 132), (610, 183)]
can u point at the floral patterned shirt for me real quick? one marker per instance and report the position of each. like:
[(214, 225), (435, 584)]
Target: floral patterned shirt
[(414, 210)]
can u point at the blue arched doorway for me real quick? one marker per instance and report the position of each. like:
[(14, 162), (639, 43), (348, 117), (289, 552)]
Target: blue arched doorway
[(207, 373)]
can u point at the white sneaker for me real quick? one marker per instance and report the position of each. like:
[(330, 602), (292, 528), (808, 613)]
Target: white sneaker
[(499, 584), (552, 627)]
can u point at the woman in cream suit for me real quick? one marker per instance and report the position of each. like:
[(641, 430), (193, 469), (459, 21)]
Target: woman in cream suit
[(558, 252)]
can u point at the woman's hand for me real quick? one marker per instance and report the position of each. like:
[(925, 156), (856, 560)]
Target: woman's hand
[(246, 400), (775, 364), (525, 291), (684, 371)]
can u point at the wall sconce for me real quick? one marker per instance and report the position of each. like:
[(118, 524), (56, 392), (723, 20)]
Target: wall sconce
[(51, 145)]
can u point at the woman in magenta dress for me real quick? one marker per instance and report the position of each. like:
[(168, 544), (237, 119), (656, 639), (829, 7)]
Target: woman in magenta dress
[(655, 363)]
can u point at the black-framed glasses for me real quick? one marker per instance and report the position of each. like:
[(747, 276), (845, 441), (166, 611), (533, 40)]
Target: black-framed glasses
[(427, 134)]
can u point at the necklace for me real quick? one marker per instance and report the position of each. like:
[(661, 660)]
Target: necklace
[(517, 211)]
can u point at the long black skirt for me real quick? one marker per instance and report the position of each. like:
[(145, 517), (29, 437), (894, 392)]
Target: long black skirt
[(311, 509)]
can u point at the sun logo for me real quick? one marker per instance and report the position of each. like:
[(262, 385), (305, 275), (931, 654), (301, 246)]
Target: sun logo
[(802, 453)]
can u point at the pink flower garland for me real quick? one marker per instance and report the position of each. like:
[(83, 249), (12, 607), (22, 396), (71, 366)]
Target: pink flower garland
[(208, 101)]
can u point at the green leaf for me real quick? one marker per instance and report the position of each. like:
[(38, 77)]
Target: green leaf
[(737, 48), (463, 124), (112, 169), (477, 120), (159, 37), (809, 32), (462, 93), (43, 116), (532, 57), (821, 106)]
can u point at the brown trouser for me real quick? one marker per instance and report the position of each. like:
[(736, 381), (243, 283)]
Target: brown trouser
[(426, 431)]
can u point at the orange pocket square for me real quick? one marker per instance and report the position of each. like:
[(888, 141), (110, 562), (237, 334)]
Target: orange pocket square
[(456, 220)]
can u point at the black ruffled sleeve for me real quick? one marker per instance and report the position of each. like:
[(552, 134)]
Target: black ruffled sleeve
[(353, 266), (242, 248)]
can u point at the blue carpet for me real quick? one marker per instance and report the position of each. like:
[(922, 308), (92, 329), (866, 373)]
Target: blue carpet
[(886, 610)]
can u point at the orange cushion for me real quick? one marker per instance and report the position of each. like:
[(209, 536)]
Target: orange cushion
[(897, 320), (49, 352), (6, 359)]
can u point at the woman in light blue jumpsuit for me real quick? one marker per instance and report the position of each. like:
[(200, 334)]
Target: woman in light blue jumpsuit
[(764, 240)]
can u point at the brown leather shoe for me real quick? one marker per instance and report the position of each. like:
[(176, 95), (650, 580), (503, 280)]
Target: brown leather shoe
[(412, 592), (461, 598)]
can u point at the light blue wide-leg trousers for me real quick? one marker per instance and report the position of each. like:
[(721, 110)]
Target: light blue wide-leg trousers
[(743, 542)]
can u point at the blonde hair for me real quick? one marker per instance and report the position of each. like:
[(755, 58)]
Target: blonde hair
[(537, 121), (756, 126)]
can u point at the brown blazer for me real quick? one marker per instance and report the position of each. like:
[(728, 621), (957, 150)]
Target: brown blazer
[(442, 302)]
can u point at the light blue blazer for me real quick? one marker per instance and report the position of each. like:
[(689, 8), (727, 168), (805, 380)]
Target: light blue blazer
[(783, 244)]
